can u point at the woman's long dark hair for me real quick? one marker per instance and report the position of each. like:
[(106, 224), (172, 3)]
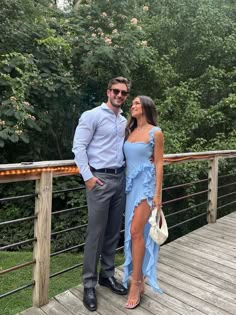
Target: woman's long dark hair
[(149, 111)]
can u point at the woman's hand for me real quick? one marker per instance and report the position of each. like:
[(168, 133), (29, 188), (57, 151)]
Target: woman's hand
[(157, 202)]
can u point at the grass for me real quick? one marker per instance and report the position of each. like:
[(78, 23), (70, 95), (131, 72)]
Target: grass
[(22, 300)]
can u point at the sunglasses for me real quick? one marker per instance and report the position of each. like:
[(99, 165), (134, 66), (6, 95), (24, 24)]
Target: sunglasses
[(116, 92)]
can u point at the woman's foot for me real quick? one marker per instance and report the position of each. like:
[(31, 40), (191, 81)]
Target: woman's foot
[(142, 289), (134, 294)]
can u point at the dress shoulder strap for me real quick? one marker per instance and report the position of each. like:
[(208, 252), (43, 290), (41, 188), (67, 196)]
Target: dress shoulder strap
[(151, 132)]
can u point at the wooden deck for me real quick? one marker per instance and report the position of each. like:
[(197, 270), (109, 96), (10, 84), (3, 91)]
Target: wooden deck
[(197, 273)]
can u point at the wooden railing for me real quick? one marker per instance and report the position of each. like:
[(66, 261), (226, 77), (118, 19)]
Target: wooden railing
[(44, 172)]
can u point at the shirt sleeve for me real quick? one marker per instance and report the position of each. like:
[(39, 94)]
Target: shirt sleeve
[(83, 135)]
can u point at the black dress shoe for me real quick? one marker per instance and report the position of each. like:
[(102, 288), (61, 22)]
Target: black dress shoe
[(113, 284), (90, 300)]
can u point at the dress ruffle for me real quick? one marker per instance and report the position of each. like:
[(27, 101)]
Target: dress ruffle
[(149, 171)]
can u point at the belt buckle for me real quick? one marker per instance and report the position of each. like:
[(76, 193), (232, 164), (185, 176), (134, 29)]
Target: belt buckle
[(116, 171)]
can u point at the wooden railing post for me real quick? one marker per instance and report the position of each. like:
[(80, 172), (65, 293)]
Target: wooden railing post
[(42, 232), (213, 190)]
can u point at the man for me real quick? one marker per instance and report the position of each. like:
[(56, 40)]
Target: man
[(98, 149)]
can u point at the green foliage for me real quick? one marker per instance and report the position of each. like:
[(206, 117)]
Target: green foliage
[(181, 53)]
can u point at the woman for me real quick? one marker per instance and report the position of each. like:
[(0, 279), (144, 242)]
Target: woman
[(144, 159)]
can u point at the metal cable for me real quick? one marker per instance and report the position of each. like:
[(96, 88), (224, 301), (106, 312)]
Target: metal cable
[(184, 197), (68, 230), (65, 270), (187, 184), (183, 222), (18, 289), (66, 250), (226, 185), (226, 195), (227, 204), (17, 244), (17, 197), (17, 267), (222, 176), (186, 209), (68, 190), (18, 220), (68, 210)]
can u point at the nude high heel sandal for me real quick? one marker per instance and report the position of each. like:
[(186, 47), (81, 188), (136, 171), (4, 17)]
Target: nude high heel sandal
[(138, 284), (142, 289)]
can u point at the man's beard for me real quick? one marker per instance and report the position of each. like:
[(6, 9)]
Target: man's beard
[(115, 105)]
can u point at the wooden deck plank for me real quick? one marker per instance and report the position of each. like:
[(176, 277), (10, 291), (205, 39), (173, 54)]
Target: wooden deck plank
[(55, 308), (168, 301), (226, 248), (222, 239), (172, 303), (199, 263), (228, 227), (212, 236), (228, 220), (197, 273), (33, 310), (216, 303), (189, 299), (199, 283), (210, 249), (73, 303), (115, 302), (152, 301), (222, 231), (229, 266)]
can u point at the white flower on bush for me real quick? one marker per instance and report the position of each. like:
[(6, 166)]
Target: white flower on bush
[(145, 8), (144, 43), (139, 28), (108, 40), (18, 132), (2, 122), (31, 117), (114, 31), (134, 21), (94, 35), (103, 14)]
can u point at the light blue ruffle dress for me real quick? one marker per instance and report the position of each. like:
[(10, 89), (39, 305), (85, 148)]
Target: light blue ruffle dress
[(140, 185)]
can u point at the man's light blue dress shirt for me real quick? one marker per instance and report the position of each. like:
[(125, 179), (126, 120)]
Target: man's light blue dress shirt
[(98, 140)]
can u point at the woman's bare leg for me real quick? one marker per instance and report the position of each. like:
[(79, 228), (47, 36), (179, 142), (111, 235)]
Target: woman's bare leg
[(140, 218)]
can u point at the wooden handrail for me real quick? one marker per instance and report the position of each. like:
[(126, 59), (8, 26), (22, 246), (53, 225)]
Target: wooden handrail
[(32, 170)]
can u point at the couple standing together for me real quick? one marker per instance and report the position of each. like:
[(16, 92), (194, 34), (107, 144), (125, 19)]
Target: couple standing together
[(122, 165)]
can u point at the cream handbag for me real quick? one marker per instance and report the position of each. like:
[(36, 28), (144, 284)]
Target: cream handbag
[(159, 230)]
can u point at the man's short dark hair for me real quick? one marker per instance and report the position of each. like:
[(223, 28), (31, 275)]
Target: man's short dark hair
[(119, 80)]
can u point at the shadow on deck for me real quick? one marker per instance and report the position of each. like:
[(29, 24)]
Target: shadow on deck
[(197, 273)]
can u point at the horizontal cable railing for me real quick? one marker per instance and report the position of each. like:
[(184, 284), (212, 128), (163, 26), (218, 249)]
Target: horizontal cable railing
[(188, 197)]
